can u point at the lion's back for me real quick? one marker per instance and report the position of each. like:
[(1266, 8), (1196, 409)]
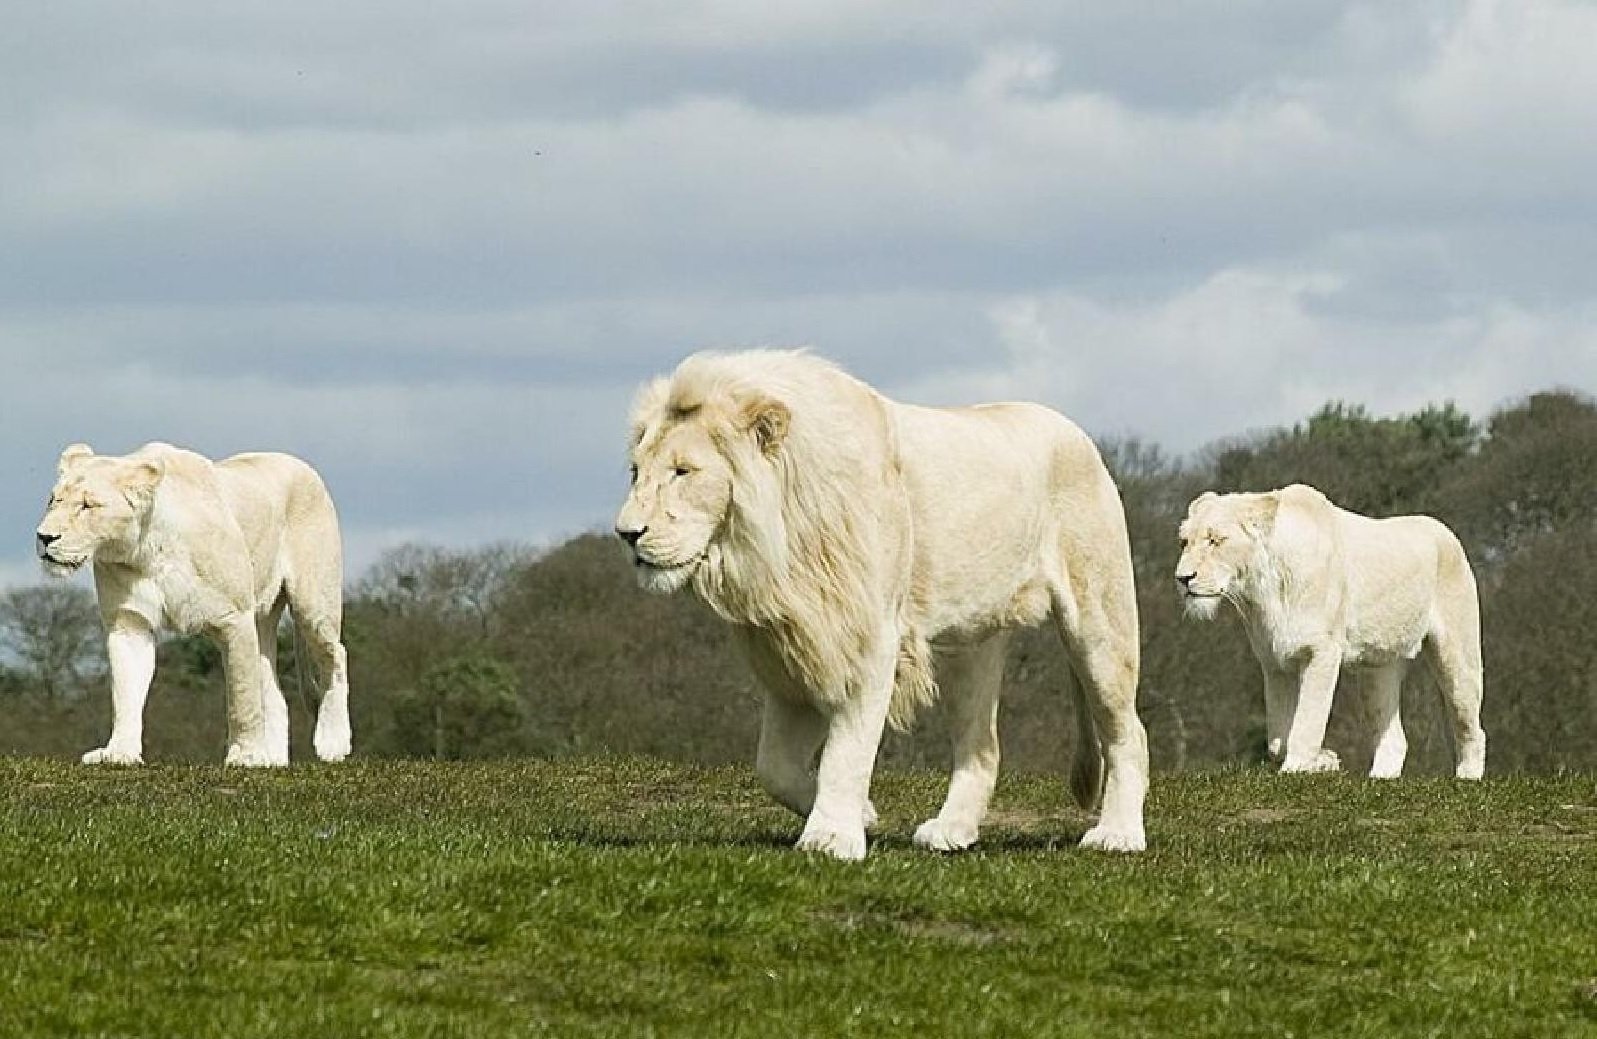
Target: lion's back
[(1399, 572)]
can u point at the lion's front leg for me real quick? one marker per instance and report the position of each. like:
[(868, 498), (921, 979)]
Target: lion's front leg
[(791, 732), (130, 645), (1280, 704), (837, 822), (247, 742), (1305, 741)]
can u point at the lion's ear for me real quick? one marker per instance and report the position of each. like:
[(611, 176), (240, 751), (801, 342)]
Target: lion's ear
[(70, 457), (767, 418), (140, 479), (1204, 498), (1260, 516)]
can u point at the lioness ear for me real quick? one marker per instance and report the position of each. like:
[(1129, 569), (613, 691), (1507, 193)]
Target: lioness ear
[(1260, 517), (767, 418), (141, 478), (73, 454), (1206, 496)]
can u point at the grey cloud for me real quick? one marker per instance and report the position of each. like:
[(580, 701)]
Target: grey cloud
[(420, 244)]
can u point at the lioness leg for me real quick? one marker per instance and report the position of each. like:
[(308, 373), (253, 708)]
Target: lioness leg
[(970, 679), (1458, 674), (1383, 692), (836, 824), (130, 644), (1280, 703), (1305, 741), (316, 602), (318, 632), (246, 722), (1102, 646), (274, 708)]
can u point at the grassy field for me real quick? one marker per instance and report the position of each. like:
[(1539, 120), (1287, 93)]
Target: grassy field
[(636, 898)]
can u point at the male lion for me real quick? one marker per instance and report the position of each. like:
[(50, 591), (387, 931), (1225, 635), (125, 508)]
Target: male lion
[(216, 548), (852, 541), (1320, 589)]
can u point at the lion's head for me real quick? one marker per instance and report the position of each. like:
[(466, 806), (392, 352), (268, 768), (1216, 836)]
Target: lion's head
[(98, 505), (702, 450), (1223, 541)]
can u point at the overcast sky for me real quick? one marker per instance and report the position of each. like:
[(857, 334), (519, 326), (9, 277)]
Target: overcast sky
[(433, 248)]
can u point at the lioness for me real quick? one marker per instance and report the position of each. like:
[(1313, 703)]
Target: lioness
[(1320, 589), (852, 541), (200, 547)]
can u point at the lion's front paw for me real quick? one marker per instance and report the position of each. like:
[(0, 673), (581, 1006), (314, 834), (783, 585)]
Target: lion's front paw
[(109, 755), (331, 747), (942, 835), (1324, 761), (848, 845), (1104, 837), (251, 757)]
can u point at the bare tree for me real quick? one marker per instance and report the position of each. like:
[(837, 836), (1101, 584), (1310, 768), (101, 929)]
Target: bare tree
[(54, 631)]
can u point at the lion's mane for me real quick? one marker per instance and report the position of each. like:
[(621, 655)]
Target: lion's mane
[(801, 559)]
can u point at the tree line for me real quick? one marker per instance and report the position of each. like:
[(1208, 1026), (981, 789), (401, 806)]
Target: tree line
[(511, 650)]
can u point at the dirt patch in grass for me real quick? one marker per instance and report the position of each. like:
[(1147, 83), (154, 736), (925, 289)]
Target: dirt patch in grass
[(914, 926)]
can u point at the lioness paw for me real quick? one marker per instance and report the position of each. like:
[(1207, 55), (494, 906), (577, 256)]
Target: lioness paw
[(330, 745), (113, 756), (941, 835), (1109, 838), (1324, 761), (849, 846), (250, 757)]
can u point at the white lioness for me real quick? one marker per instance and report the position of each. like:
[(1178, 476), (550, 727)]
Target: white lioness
[(215, 548), (1321, 589), (852, 541)]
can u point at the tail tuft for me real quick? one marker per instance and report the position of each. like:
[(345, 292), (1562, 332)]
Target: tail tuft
[(1087, 770), (914, 685)]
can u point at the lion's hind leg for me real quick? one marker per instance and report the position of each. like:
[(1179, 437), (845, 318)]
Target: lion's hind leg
[(1458, 675), (274, 708), (970, 679), (316, 613), (1101, 642), (332, 737), (316, 602), (1383, 693)]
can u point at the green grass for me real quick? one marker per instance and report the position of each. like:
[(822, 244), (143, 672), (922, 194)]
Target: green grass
[(636, 898)]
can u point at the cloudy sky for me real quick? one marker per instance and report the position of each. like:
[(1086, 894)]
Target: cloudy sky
[(434, 247)]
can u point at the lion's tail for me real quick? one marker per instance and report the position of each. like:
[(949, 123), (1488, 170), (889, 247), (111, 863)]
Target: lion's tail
[(914, 685), (1086, 771)]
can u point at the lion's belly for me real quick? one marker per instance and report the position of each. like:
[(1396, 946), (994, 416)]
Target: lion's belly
[(969, 612)]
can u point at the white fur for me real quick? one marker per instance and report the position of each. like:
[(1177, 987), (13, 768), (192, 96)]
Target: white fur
[(177, 541), (855, 543), (1321, 589)]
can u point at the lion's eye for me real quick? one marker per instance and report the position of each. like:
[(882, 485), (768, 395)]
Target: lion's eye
[(1216, 539), (681, 470)]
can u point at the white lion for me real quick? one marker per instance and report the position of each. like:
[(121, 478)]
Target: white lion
[(217, 548), (852, 541), (1321, 589)]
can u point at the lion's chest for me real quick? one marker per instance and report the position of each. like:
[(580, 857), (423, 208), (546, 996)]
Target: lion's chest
[(168, 598)]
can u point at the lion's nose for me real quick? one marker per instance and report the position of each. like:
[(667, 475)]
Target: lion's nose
[(46, 540), (1185, 580), (631, 534)]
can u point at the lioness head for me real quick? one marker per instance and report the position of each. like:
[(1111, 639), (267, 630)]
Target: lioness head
[(98, 504), (1222, 540), (700, 449)]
